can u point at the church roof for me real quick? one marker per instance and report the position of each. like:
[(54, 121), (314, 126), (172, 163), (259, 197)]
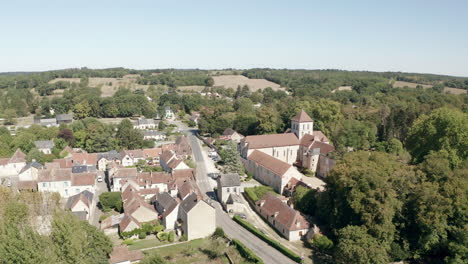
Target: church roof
[(271, 140), (302, 117)]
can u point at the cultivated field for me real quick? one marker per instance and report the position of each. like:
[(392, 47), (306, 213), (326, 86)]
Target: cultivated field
[(449, 90), (232, 81), (108, 85)]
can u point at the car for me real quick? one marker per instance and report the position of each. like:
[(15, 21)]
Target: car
[(99, 178)]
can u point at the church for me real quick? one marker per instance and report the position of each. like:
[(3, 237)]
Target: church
[(270, 158)]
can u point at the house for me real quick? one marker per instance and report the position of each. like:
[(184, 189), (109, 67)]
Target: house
[(44, 146), (228, 184), (64, 118), (182, 147), (84, 158), (104, 158), (287, 221), (64, 182), (83, 168), (136, 207), (128, 223), (119, 175), (143, 123), (154, 135), (168, 209), (80, 203), (27, 177), (198, 218), (12, 166), (271, 171), (154, 180), (121, 255), (168, 113), (131, 157), (170, 162), (231, 134), (110, 225), (48, 122)]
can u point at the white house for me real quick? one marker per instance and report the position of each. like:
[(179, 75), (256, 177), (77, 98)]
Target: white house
[(197, 216), (144, 123), (287, 221), (168, 113), (44, 146), (12, 166), (170, 162), (168, 208), (64, 182), (154, 135), (231, 134), (121, 174), (80, 204), (228, 184)]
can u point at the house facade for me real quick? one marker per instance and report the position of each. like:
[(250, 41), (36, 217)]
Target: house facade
[(198, 218), (228, 184), (44, 146), (12, 166)]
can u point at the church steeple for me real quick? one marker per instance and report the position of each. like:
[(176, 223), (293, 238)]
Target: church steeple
[(302, 124)]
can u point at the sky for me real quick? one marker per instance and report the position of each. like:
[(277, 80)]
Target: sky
[(410, 36)]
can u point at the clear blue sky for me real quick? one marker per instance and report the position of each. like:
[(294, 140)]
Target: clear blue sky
[(413, 35)]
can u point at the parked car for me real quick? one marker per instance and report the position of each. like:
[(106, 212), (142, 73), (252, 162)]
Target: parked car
[(99, 178), (243, 216)]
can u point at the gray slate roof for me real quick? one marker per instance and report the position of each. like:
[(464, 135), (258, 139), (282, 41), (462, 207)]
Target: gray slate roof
[(72, 199), (188, 203), (83, 168), (229, 180), (33, 164), (234, 198), (166, 201), (44, 144), (64, 117), (110, 155), (145, 121)]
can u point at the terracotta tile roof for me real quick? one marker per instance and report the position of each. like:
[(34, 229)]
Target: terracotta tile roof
[(174, 163), (152, 153), (148, 191), (167, 155), (167, 147), (187, 174), (54, 174), (302, 117), (129, 194), (126, 220), (125, 173), (81, 179), (319, 136), (27, 185), (121, 254), (272, 140), (64, 163), (18, 157), (84, 158), (4, 161), (306, 140), (324, 147), (282, 213), (270, 163), (130, 206), (136, 153), (53, 165)]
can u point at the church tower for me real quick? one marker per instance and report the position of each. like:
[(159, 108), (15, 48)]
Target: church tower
[(302, 124)]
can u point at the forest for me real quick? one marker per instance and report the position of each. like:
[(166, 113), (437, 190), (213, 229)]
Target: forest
[(398, 191)]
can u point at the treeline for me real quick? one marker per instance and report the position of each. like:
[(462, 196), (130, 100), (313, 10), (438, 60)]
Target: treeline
[(175, 78)]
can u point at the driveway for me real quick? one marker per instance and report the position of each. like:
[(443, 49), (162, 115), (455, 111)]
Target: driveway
[(95, 213)]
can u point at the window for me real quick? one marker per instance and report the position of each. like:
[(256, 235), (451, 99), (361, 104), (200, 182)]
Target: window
[(44, 184), (227, 189)]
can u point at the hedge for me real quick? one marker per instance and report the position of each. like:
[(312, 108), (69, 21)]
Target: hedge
[(246, 252), (257, 192), (277, 245)]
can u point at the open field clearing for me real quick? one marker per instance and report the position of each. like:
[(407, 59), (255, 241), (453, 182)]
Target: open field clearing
[(232, 81), (343, 88), (192, 88), (449, 90)]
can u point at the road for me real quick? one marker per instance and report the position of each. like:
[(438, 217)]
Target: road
[(95, 213), (231, 228)]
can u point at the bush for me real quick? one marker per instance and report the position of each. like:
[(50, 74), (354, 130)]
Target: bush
[(171, 236), (219, 232), (162, 236), (287, 252), (257, 192), (191, 123), (128, 242), (245, 252), (158, 228), (183, 238), (111, 200), (142, 235), (322, 243)]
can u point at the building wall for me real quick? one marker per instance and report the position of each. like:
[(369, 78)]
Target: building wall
[(79, 188), (325, 165), (61, 187), (284, 231), (28, 175), (182, 166), (296, 235), (224, 192), (144, 214), (102, 165), (201, 221), (300, 129), (171, 219), (11, 169), (287, 154), (81, 206), (127, 161)]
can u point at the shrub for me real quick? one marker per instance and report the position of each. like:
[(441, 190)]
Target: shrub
[(111, 200), (257, 192), (162, 236), (171, 236), (322, 243), (128, 242), (158, 228), (219, 232), (142, 235), (245, 252), (183, 238), (287, 252)]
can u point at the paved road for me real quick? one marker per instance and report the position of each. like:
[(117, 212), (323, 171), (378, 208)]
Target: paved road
[(95, 213), (231, 228)]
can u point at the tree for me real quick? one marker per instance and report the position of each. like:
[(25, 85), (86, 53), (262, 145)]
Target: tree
[(268, 120), (67, 135), (230, 158), (111, 200), (305, 200), (10, 116), (154, 258), (129, 138), (76, 241), (357, 246), (209, 82), (82, 110), (443, 129)]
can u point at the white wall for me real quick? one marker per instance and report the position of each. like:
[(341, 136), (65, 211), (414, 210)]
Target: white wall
[(201, 221), (287, 154)]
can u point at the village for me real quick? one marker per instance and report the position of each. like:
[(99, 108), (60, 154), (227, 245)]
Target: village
[(175, 190)]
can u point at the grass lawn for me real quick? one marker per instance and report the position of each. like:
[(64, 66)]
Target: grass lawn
[(199, 251), (146, 243), (257, 192)]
